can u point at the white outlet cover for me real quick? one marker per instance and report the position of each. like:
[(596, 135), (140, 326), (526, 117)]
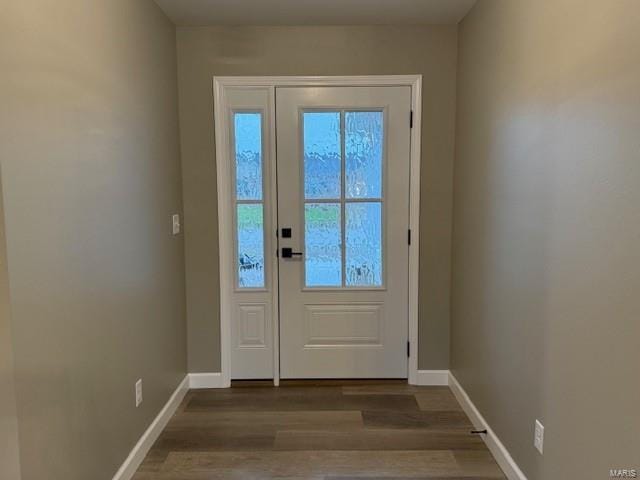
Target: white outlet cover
[(538, 437), (138, 393)]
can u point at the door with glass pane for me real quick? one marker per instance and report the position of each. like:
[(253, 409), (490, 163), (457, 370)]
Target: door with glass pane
[(343, 216)]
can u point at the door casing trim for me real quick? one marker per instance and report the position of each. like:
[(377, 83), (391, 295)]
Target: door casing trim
[(225, 221)]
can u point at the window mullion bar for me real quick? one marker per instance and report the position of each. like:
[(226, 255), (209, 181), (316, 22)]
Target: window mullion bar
[(323, 200), (342, 197), (364, 200)]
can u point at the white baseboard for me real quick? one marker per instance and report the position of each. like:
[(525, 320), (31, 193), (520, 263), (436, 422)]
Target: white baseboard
[(432, 377), (139, 452), (206, 380), (495, 446)]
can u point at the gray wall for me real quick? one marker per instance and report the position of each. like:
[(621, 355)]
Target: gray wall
[(9, 447), (207, 51), (91, 175), (546, 270)]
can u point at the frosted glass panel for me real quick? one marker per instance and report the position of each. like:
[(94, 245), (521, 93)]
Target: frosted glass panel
[(364, 136), (250, 245), (323, 249), (248, 146), (322, 155), (363, 244)]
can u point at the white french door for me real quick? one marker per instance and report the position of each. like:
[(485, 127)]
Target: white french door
[(343, 176), (319, 231)]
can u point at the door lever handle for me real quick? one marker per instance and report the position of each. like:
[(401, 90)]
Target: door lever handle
[(289, 253)]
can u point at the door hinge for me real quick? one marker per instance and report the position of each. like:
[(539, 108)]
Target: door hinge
[(408, 349), (411, 119), (409, 236)]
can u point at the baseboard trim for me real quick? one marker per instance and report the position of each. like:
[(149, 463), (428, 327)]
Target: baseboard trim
[(151, 434), (495, 446), (206, 380), (432, 377)]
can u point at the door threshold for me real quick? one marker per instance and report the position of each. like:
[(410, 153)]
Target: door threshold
[(322, 382)]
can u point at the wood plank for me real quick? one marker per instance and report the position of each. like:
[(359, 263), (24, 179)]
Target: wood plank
[(236, 465), (288, 420), (388, 389), (263, 391), (412, 420), (437, 399), (380, 439), (215, 439), (474, 477), (153, 461), (480, 463), (316, 400), (230, 476)]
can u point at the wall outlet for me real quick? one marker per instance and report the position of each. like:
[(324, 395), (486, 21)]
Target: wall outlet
[(175, 220), (538, 437), (138, 393)]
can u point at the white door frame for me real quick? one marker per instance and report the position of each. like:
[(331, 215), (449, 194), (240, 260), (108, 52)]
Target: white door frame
[(225, 219)]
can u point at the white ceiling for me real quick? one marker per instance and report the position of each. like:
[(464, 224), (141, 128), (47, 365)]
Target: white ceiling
[(315, 12)]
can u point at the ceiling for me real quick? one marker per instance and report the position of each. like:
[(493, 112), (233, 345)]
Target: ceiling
[(315, 12)]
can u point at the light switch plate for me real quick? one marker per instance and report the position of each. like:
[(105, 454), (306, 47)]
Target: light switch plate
[(138, 393), (538, 438), (176, 224)]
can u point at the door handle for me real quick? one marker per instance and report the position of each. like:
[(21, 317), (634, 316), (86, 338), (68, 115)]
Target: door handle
[(289, 253)]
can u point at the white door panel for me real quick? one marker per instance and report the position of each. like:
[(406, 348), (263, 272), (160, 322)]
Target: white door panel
[(343, 191)]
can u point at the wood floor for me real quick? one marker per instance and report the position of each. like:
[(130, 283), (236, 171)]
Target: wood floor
[(383, 430)]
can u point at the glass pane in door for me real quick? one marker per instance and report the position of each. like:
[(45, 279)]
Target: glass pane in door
[(322, 155), (363, 151), (248, 146), (363, 244), (250, 245), (323, 245)]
